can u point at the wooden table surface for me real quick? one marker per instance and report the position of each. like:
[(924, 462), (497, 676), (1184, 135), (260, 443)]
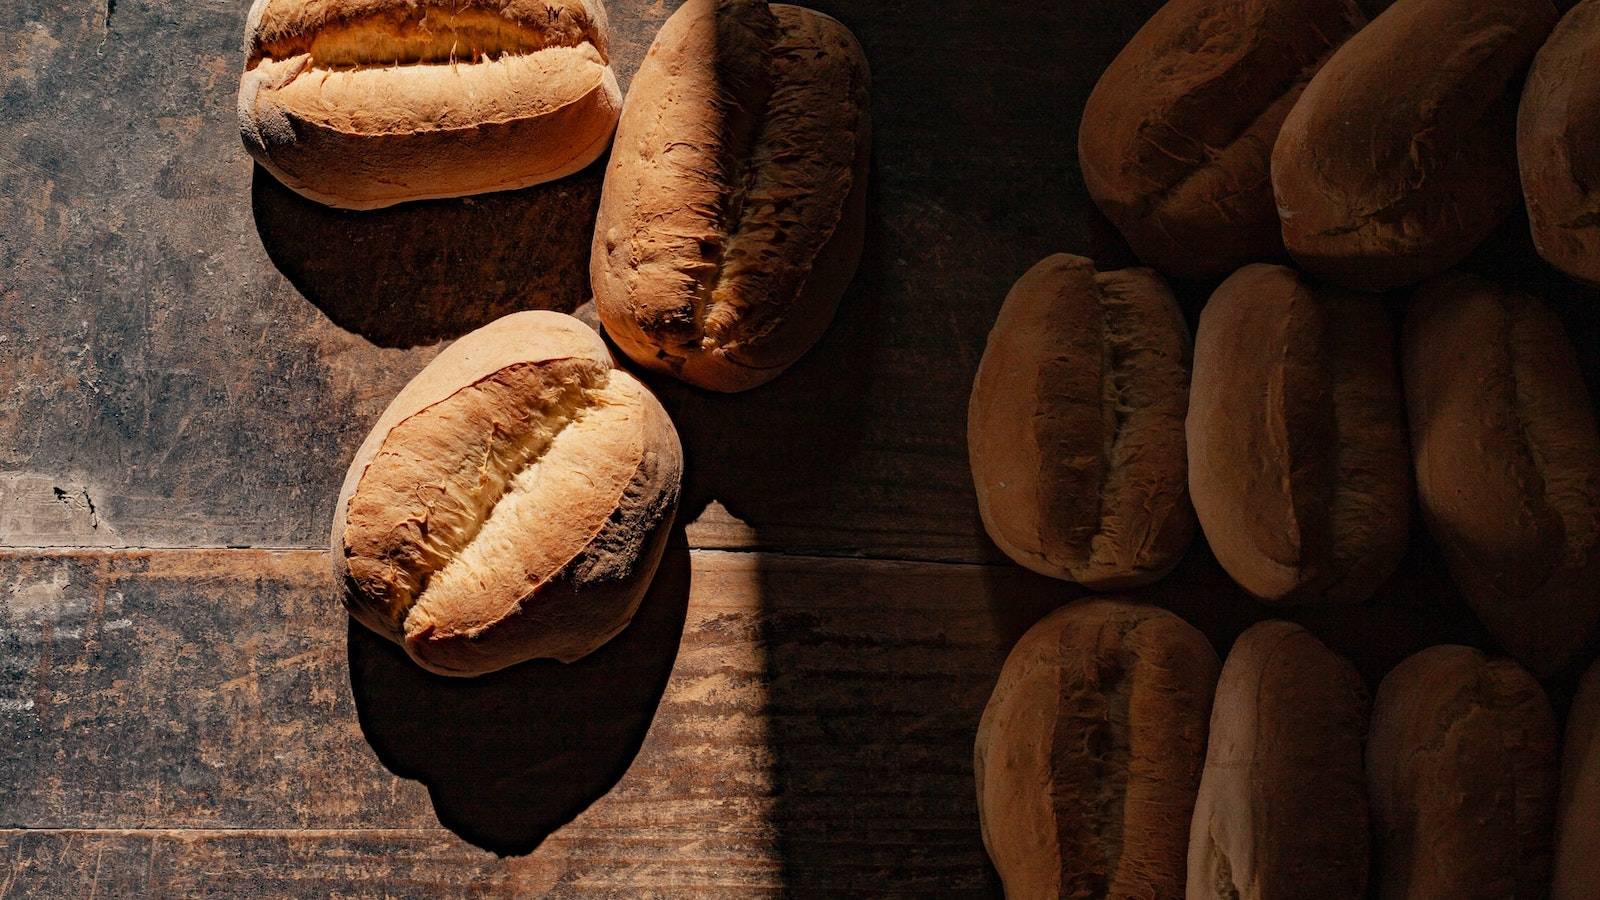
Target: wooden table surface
[(189, 355)]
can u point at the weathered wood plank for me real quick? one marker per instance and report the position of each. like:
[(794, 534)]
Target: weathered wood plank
[(815, 730)]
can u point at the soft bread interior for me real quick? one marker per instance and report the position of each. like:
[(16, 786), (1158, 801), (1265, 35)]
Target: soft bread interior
[(434, 485)]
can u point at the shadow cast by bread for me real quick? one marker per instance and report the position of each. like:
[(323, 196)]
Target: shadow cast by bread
[(433, 270), (512, 756)]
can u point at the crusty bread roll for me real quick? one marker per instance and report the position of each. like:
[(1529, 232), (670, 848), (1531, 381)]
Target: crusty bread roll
[(1176, 137), (1282, 809), (1461, 769), (367, 103), (1398, 159), (734, 206), (1089, 753), (1075, 425), (511, 503), (1558, 144), (1507, 462), (1577, 861), (1297, 450)]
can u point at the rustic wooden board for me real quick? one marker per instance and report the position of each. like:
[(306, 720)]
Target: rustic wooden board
[(208, 721)]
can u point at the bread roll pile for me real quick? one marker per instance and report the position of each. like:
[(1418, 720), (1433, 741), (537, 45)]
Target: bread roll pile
[(514, 500), (1304, 160)]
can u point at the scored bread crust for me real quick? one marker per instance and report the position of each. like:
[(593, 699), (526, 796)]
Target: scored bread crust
[(1461, 774), (1577, 865), (1507, 458), (1558, 145), (1398, 159), (362, 103), (1177, 135), (1075, 425), (734, 207), (1282, 808), (1089, 753), (1298, 463), (583, 511)]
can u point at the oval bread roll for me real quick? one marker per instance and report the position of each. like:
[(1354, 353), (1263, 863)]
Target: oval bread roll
[(1558, 145), (1297, 449), (1282, 810), (1176, 137), (1075, 425), (1508, 463), (1461, 767), (1398, 159), (1089, 753), (734, 206), (511, 503), (368, 103), (1577, 866)]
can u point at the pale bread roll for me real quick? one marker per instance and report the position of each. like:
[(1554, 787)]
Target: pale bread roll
[(1075, 425), (1089, 753), (511, 503), (1558, 145), (734, 206), (367, 103)]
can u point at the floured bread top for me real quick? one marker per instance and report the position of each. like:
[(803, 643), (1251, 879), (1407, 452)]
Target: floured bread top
[(394, 67), (742, 141), (491, 473)]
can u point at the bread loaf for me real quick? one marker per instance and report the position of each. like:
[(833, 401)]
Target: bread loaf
[(1297, 450), (1558, 145), (1089, 753), (734, 205), (1507, 462), (1461, 766), (368, 103), (1577, 864), (511, 503), (1398, 159), (1176, 137), (1282, 809), (1075, 425)]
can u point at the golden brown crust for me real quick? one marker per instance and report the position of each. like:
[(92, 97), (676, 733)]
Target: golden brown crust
[(1461, 770), (1558, 145), (1387, 172), (367, 103), (1089, 753), (1176, 137), (1075, 425), (511, 502), (733, 212), (1298, 463), (1282, 808), (1577, 865), (1507, 461)]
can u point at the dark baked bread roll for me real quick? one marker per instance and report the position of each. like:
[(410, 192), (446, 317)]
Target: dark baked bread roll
[(1176, 138), (1399, 158), (1297, 451), (734, 205), (367, 103), (1089, 753), (1508, 463), (1577, 866), (511, 503), (1461, 765), (1558, 144), (1075, 425), (1282, 810)]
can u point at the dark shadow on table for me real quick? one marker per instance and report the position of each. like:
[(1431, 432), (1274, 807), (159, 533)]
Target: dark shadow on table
[(511, 756), (428, 271)]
